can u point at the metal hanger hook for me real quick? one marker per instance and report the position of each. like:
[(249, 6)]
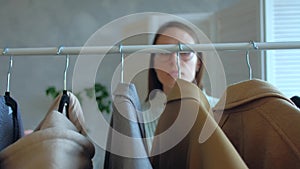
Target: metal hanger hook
[(248, 65), (5, 50), (122, 62), (59, 49), (178, 59), (9, 74), (254, 45), (66, 70)]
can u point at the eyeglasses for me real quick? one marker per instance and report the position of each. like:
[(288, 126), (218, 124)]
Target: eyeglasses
[(186, 56)]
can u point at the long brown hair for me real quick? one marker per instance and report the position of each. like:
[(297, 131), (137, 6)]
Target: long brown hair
[(153, 82)]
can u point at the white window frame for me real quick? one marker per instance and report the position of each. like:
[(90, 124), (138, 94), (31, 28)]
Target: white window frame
[(271, 69)]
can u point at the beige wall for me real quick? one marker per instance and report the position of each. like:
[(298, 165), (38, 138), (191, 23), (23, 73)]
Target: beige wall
[(51, 23)]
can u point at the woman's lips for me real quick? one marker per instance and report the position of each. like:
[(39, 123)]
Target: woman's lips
[(174, 74)]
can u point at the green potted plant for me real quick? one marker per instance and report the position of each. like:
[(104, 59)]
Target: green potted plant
[(100, 91)]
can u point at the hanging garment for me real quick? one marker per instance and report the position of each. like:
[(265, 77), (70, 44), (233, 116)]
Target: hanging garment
[(151, 111), (74, 111), (262, 124), (11, 125), (57, 143), (154, 108), (125, 145), (180, 125)]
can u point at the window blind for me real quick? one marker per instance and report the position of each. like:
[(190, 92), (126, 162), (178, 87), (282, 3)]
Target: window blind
[(283, 24)]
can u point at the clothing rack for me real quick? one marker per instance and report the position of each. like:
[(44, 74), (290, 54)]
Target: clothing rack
[(244, 46)]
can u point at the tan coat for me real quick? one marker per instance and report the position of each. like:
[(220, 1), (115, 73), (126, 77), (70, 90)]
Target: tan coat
[(262, 124), (75, 112), (57, 143), (186, 112)]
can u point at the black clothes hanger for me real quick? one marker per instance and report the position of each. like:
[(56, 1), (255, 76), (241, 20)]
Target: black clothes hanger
[(14, 107), (65, 99), (9, 101), (64, 103), (296, 100)]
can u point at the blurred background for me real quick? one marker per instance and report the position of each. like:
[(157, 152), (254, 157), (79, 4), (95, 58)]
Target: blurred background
[(52, 23)]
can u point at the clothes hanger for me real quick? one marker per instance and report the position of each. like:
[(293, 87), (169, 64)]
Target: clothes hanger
[(65, 99), (178, 60), (122, 62), (10, 102), (248, 59)]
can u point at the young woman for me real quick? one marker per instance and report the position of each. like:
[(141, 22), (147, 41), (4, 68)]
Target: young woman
[(163, 70)]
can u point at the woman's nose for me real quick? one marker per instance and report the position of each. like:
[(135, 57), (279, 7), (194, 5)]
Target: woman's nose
[(173, 57)]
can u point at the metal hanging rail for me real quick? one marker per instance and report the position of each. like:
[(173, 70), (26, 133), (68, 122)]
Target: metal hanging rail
[(244, 46)]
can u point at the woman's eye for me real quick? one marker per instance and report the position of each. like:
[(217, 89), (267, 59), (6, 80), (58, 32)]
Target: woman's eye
[(186, 56)]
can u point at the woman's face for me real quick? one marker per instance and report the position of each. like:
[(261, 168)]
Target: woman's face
[(166, 65)]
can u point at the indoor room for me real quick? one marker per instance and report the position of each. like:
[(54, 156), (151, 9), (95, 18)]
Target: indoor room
[(77, 87)]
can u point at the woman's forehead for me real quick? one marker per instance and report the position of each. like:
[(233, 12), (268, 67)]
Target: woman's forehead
[(174, 35)]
